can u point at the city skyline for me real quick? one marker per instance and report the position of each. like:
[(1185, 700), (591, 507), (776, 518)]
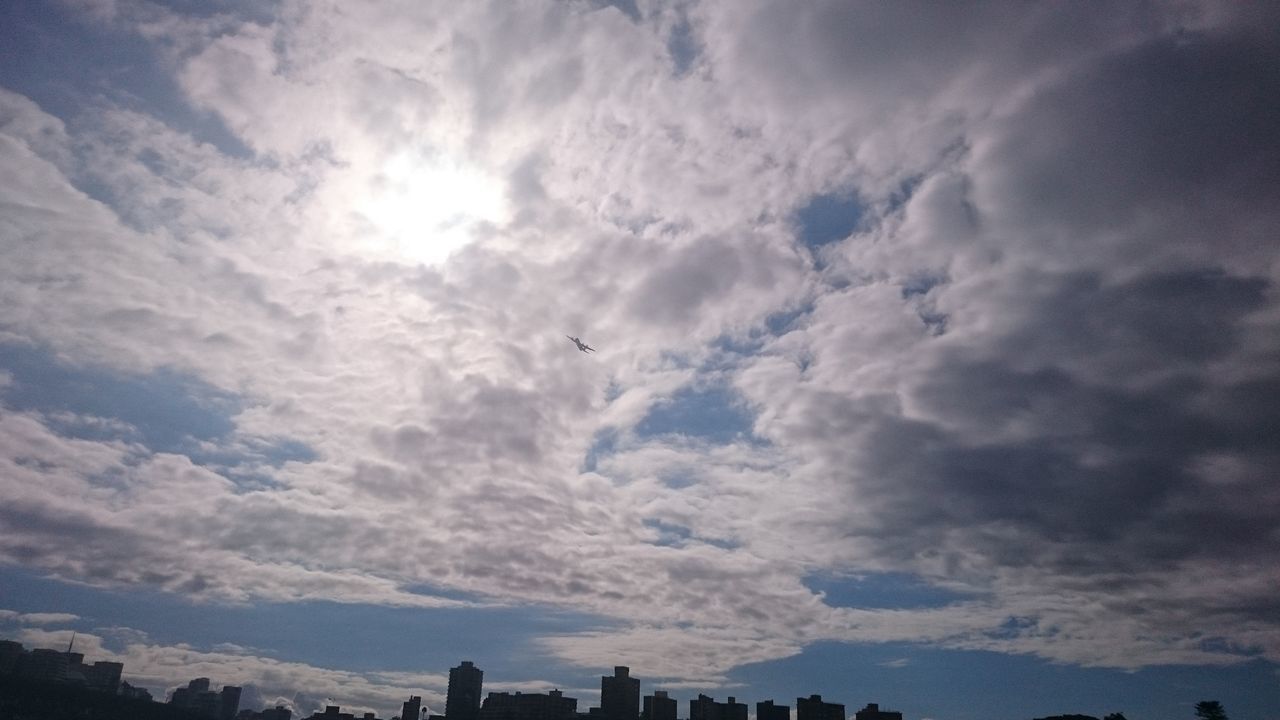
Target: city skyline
[(464, 685), (619, 695), (924, 354)]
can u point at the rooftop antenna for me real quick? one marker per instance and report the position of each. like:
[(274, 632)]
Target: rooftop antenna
[(73, 642)]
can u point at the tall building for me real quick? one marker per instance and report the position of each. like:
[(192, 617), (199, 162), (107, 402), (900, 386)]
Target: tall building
[(44, 664), (813, 708), (103, 675), (463, 700), (137, 693), (60, 666), (208, 703), (528, 706), (620, 695), (734, 710), (705, 708), (873, 712), (659, 707), (228, 702), (768, 711), (412, 709), (10, 653)]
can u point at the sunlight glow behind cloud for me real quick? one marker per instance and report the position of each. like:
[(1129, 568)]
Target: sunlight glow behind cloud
[(425, 207)]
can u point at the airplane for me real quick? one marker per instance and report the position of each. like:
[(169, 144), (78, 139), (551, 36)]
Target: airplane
[(581, 345)]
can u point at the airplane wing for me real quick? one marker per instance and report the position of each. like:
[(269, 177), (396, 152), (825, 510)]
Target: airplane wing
[(588, 348)]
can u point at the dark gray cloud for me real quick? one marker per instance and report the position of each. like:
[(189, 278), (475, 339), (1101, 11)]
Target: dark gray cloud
[(1093, 419)]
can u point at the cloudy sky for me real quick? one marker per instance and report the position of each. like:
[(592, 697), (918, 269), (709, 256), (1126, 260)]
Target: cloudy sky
[(938, 349)]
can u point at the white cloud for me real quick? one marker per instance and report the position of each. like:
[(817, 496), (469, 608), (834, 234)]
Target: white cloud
[(161, 668), (1107, 341), (13, 616)]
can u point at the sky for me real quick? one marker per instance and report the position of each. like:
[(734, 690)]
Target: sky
[(937, 349)]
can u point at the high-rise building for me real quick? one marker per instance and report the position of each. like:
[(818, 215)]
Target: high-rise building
[(659, 707), (44, 664), (463, 700), (873, 712), (813, 708), (620, 695), (103, 675), (528, 706), (137, 693), (412, 709), (229, 702), (705, 708), (10, 653), (768, 711), (208, 704)]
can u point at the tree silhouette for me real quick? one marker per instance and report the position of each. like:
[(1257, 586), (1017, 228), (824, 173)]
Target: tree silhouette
[(1210, 710), (1115, 716)]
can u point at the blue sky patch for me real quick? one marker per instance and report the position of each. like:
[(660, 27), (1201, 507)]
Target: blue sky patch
[(881, 590), (358, 637), (781, 323), (670, 535), (604, 443), (918, 285), (167, 409), (923, 681), (713, 414), (164, 410), (828, 218), (65, 63), (684, 46), (673, 535), (899, 197)]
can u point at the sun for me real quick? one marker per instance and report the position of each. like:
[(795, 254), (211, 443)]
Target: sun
[(423, 208)]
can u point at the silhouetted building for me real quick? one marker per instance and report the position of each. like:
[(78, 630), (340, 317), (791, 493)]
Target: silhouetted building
[(137, 693), (813, 708), (279, 712), (43, 664), (659, 707), (463, 700), (705, 708), (103, 675), (181, 697), (619, 695), (332, 712), (412, 708), (528, 706), (873, 712), (10, 652), (766, 710), (59, 666), (207, 703), (229, 702)]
